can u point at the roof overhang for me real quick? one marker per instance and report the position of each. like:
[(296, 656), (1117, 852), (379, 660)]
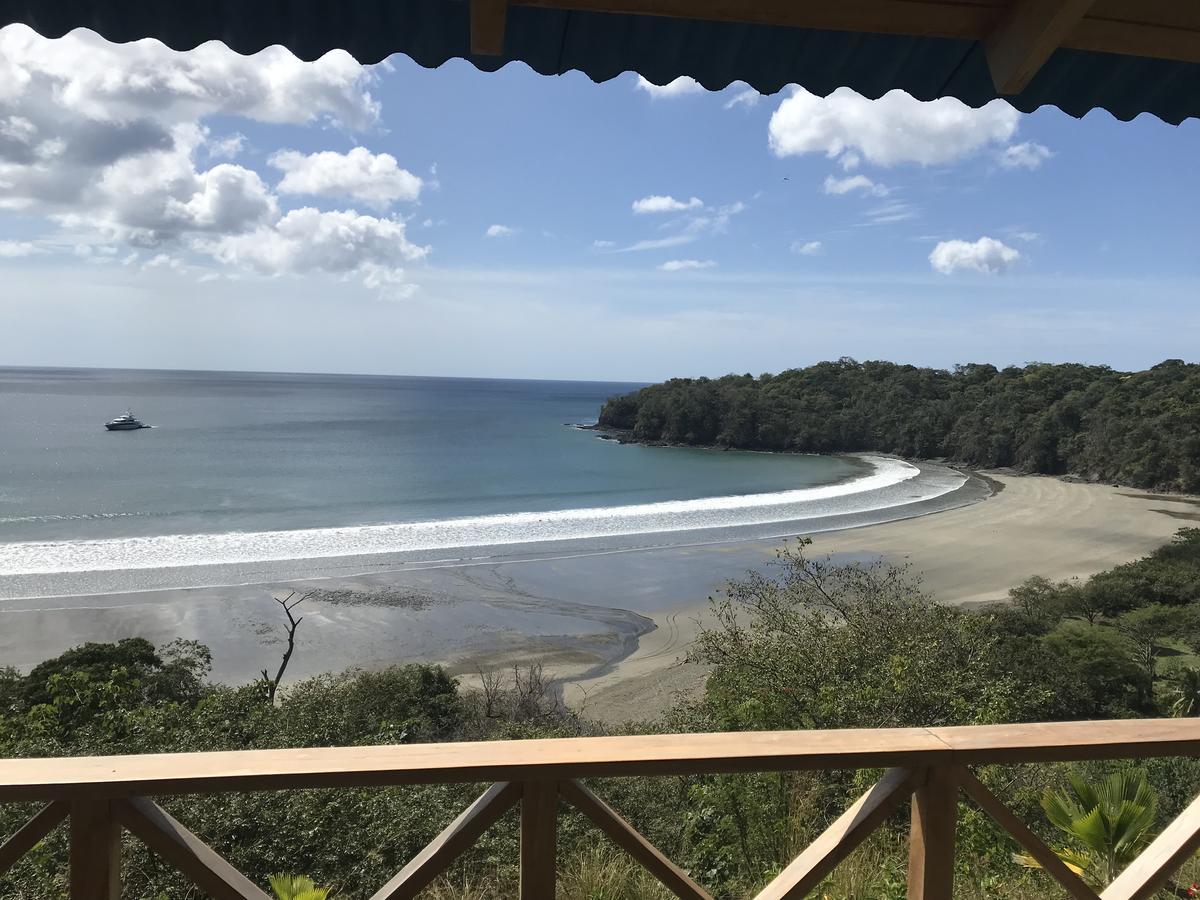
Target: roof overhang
[(1126, 56)]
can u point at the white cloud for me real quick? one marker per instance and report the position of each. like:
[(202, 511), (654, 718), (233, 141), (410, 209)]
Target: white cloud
[(657, 203), (888, 213), (603, 245), (13, 249), (674, 240), (986, 255), (499, 231), (747, 97), (1028, 237), (110, 141), (807, 248), (227, 147), (677, 88), (889, 131), (849, 161), (1029, 155), (683, 265), (307, 240), (854, 183), (375, 179)]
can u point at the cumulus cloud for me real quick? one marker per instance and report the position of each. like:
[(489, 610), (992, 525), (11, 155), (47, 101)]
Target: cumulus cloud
[(854, 184), (110, 142), (677, 88), (375, 179), (499, 231), (308, 240), (1029, 155), (807, 248), (986, 255), (684, 265), (657, 203), (889, 131)]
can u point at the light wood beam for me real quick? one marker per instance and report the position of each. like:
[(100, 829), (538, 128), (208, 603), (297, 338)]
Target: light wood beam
[(854, 826), (1158, 862), (28, 835), (589, 757), (1003, 816), (931, 838), (1024, 39), (488, 21), (454, 839), (632, 842), (198, 862), (95, 851), (539, 839)]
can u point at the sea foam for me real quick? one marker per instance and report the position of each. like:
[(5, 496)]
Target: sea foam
[(169, 551)]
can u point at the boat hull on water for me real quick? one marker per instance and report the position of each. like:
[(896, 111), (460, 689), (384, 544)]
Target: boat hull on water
[(127, 422)]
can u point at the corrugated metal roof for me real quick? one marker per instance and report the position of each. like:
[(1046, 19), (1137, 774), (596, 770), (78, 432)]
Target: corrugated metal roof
[(603, 45)]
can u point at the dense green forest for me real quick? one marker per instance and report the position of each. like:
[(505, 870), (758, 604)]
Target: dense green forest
[(1134, 428), (856, 645)]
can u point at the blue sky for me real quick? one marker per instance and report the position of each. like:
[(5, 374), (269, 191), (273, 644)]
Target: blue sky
[(207, 211)]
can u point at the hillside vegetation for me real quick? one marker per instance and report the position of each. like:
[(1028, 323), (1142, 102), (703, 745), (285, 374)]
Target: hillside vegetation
[(805, 643), (1134, 428)]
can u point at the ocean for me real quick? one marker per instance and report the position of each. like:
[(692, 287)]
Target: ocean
[(249, 475)]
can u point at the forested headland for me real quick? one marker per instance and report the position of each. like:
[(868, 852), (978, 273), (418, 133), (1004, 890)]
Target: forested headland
[(1134, 428)]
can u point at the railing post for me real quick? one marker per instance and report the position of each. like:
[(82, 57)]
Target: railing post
[(539, 826), (931, 839), (95, 851)]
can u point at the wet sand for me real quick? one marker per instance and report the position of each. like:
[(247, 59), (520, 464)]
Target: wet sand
[(613, 625)]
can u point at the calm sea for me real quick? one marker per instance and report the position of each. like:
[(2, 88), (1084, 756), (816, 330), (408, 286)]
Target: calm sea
[(251, 467)]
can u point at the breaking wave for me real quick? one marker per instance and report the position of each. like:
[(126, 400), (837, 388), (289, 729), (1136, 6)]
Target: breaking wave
[(870, 492)]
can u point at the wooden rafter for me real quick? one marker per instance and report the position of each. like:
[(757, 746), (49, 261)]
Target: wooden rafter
[(1155, 29), (632, 842), (454, 839), (1026, 37), (488, 21)]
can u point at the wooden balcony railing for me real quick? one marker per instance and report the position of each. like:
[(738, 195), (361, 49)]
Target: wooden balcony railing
[(100, 796)]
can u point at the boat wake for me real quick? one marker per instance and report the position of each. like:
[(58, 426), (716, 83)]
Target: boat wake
[(889, 484)]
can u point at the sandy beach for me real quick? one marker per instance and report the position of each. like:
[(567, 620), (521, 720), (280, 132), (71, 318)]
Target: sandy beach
[(612, 625)]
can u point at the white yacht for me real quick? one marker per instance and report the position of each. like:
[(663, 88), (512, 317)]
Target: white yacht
[(127, 422)]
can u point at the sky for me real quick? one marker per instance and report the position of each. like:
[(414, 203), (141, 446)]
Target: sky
[(211, 211)]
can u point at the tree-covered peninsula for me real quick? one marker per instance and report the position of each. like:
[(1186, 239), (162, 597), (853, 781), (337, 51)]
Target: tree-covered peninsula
[(1135, 428)]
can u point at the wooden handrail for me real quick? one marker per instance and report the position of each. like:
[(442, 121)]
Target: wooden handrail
[(568, 758), (102, 795)]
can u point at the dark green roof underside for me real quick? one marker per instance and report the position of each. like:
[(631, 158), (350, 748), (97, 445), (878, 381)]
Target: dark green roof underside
[(603, 46)]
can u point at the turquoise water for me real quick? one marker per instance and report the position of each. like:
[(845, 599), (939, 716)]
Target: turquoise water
[(259, 452), (247, 478)]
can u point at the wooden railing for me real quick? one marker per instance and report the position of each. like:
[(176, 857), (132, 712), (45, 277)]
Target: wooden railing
[(930, 767)]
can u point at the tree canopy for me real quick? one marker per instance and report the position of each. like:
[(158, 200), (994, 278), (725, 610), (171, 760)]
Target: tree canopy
[(1135, 428)]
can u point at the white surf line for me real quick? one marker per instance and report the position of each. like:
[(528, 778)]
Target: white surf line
[(392, 567), (178, 551)]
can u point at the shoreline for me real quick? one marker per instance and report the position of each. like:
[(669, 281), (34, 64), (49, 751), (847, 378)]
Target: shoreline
[(608, 623)]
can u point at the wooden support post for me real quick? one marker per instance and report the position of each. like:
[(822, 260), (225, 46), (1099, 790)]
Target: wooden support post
[(95, 851), (539, 826), (931, 840)]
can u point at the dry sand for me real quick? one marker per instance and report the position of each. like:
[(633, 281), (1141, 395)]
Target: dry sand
[(1033, 526)]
